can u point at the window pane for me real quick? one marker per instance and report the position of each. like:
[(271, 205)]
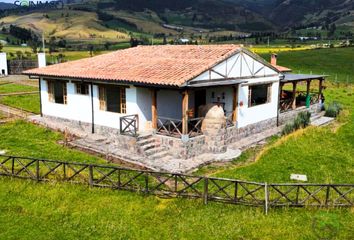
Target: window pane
[(113, 99), (259, 94)]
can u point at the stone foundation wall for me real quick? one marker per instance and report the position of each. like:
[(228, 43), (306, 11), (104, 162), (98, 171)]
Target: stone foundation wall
[(234, 134), (113, 135), (179, 149), (289, 116)]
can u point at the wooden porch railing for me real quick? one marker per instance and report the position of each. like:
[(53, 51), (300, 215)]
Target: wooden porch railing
[(195, 127), (129, 125), (169, 127), (286, 104), (173, 127)]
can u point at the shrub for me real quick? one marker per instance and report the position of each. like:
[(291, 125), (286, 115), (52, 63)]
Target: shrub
[(302, 120), (333, 109), (288, 128)]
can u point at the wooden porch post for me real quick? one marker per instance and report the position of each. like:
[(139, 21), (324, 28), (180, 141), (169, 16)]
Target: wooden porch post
[(294, 95), (185, 98), (308, 87), (154, 109), (320, 89), (235, 104)]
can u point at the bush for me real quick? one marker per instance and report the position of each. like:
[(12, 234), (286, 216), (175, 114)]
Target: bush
[(302, 120), (333, 109)]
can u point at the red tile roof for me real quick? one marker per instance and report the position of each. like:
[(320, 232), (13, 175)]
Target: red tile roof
[(161, 65), (282, 69)]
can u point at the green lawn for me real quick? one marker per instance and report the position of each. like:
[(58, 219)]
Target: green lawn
[(55, 211), (11, 88), (24, 139), (336, 62), (32, 210), (325, 155), (26, 102)]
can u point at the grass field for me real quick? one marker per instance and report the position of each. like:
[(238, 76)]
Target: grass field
[(69, 25), (323, 154), (28, 103), (50, 211), (11, 88), (336, 62), (56, 211), (25, 139)]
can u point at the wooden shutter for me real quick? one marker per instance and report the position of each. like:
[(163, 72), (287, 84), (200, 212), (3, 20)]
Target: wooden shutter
[(123, 101), (102, 98), (50, 86), (65, 94), (249, 96), (269, 93)]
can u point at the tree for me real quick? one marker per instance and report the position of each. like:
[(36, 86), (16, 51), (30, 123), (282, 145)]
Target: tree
[(1, 47), (52, 46), (34, 44), (91, 48)]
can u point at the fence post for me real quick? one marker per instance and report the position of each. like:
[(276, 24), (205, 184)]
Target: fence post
[(327, 195), (37, 170), (266, 196), (64, 171), (91, 175), (13, 166), (236, 189), (205, 193), (147, 182)]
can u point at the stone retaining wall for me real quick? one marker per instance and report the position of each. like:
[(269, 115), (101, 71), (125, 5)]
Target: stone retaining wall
[(179, 149), (76, 127), (216, 142), (289, 116)]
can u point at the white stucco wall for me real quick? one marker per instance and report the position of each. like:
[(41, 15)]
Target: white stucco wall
[(41, 60), (218, 92), (78, 106), (3, 64), (249, 115)]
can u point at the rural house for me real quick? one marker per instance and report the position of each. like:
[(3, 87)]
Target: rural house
[(176, 100)]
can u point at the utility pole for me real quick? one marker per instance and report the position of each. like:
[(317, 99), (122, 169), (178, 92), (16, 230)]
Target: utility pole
[(268, 41), (43, 44)]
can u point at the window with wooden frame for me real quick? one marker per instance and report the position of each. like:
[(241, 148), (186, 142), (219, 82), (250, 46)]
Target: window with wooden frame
[(259, 94), (82, 88), (57, 92), (112, 98)]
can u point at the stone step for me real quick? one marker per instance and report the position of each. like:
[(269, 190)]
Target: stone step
[(154, 150), (159, 155), (144, 142), (150, 146), (144, 136), (322, 121)]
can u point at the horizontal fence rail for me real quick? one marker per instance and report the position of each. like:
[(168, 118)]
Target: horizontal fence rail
[(180, 185)]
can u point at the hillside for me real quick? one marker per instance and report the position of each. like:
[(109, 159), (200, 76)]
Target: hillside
[(66, 24)]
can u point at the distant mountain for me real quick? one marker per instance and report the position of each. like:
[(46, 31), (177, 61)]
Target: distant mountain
[(5, 6), (289, 13), (192, 16)]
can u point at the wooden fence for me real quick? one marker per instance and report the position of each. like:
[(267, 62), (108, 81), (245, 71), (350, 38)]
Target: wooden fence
[(180, 185)]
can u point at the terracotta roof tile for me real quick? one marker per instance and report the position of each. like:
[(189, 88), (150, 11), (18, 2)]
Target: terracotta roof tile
[(161, 65)]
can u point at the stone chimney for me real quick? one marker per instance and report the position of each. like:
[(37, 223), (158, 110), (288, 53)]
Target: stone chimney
[(273, 59)]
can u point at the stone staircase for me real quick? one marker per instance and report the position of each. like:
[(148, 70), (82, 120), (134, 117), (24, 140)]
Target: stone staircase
[(149, 147)]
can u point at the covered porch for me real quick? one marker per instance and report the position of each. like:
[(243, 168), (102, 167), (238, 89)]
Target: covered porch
[(300, 90), (179, 113), (195, 101)]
